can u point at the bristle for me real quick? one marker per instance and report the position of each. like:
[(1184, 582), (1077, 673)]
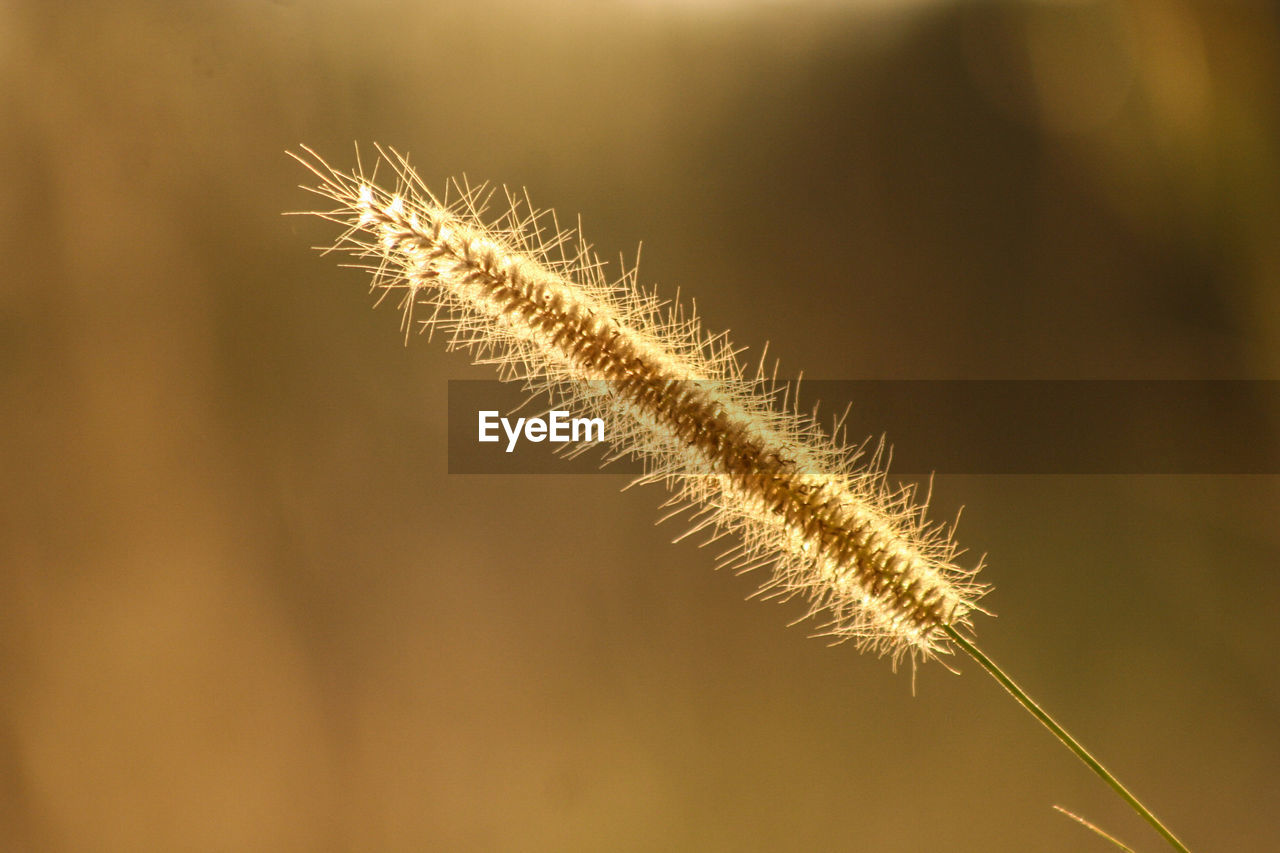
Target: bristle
[(532, 299)]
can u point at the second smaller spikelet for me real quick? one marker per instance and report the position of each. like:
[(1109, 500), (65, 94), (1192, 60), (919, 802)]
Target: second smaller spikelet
[(804, 505)]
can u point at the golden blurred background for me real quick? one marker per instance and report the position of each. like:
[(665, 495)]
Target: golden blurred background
[(244, 607)]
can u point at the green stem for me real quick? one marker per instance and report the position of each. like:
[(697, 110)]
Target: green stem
[(1061, 734)]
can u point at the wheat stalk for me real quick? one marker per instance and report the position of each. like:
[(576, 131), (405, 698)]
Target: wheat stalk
[(799, 501)]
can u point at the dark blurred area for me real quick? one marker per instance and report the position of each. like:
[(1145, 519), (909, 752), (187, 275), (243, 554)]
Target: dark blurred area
[(243, 606)]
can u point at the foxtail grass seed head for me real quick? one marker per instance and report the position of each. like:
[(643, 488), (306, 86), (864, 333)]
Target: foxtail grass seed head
[(533, 299)]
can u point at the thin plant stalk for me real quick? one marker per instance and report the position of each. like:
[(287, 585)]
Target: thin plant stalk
[(1061, 734), (1095, 829)]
